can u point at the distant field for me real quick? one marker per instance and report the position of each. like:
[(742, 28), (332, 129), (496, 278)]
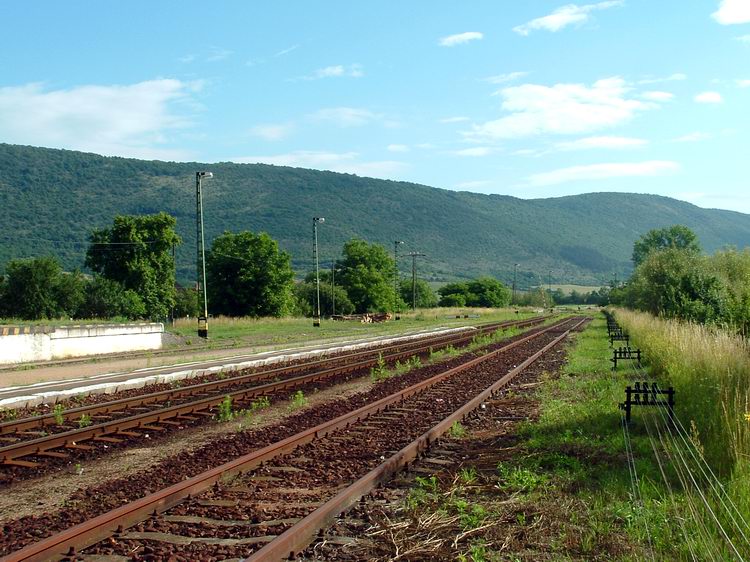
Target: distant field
[(567, 289), (280, 331)]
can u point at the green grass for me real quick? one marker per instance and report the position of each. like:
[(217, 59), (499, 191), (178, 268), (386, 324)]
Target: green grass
[(578, 445), (297, 401), (276, 331), (566, 489)]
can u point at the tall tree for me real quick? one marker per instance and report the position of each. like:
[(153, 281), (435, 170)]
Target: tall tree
[(136, 252), (483, 292), (426, 297), (36, 289), (367, 276), (677, 283), (249, 276), (108, 299), (677, 237)]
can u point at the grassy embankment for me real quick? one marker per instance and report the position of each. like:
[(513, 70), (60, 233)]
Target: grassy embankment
[(710, 371), (276, 331), (564, 490)]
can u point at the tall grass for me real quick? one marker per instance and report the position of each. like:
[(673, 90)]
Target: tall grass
[(710, 370)]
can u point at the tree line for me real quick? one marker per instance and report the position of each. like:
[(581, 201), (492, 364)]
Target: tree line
[(132, 276), (674, 279)]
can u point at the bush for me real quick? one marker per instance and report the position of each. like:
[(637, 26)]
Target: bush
[(108, 299)]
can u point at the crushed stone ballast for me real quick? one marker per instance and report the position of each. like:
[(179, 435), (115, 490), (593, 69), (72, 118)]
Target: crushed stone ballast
[(266, 358)]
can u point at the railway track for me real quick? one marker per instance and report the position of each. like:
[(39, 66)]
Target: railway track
[(280, 495), (29, 443)]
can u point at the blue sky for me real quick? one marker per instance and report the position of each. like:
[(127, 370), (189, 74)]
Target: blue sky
[(530, 99)]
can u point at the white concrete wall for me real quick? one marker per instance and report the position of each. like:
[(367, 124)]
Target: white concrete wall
[(78, 341), (25, 348)]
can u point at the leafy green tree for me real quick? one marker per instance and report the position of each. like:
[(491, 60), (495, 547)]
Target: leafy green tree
[(483, 292), (70, 292), (306, 294), (137, 253), (367, 276), (455, 294), (426, 297), (677, 237), (187, 303), (249, 276), (677, 283), (455, 300), (488, 293), (733, 268), (37, 288), (108, 299)]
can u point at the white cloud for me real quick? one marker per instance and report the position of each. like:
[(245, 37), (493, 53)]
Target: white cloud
[(217, 54), (397, 148), (475, 151), (124, 120), (657, 96), (529, 152), (743, 83), (336, 71), (693, 137), (732, 11), (454, 119), (604, 171), (344, 116), (671, 78), (272, 131), (460, 38), (709, 97), (344, 162), (561, 109), (744, 39), (601, 142), (505, 78), (565, 16), (286, 51)]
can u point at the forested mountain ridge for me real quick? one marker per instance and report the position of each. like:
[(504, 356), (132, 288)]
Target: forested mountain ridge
[(51, 199)]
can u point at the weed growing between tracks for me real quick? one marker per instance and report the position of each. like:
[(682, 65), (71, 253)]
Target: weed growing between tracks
[(381, 372), (557, 487)]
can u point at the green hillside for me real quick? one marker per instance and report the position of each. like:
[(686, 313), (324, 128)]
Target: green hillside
[(51, 199)]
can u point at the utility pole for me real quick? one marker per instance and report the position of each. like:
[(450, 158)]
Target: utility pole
[(414, 256), (333, 288), (396, 244), (515, 271), (316, 317), (201, 252)]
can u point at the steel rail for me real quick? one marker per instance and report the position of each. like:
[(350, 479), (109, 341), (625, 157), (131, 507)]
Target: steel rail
[(78, 537), (108, 431), (300, 535), (104, 408)]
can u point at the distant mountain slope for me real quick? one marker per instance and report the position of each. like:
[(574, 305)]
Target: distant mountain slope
[(51, 199)]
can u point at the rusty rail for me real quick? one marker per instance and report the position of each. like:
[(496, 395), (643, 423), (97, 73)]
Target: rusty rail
[(108, 431), (73, 414), (71, 540), (299, 536)]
